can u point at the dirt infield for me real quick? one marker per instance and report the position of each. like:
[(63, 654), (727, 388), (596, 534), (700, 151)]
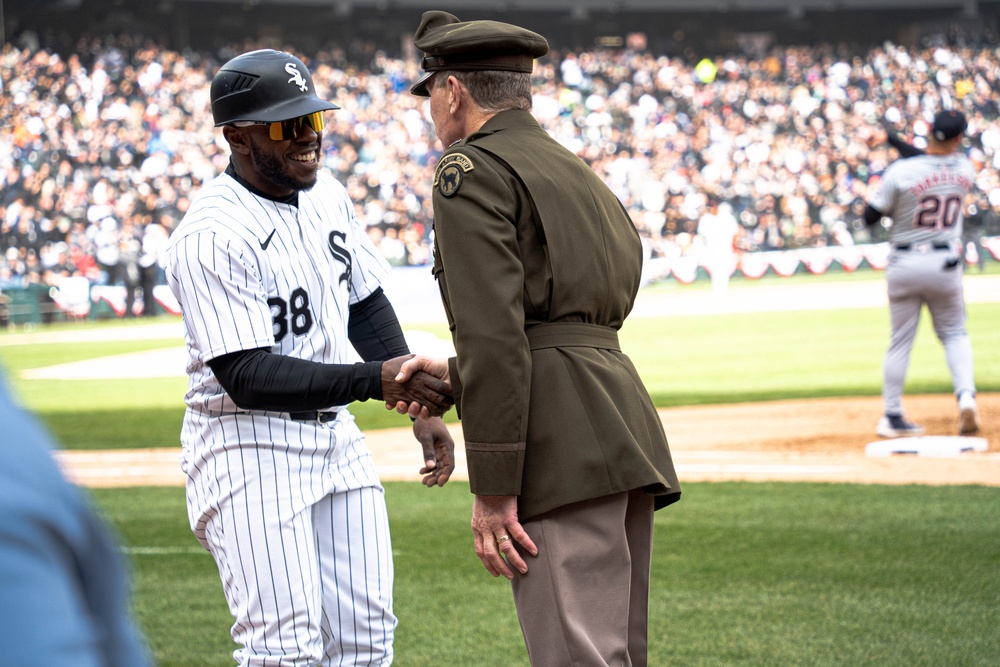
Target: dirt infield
[(819, 440)]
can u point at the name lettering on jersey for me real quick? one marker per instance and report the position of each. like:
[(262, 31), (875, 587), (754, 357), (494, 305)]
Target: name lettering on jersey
[(448, 175), (941, 178), (338, 246), (297, 77)]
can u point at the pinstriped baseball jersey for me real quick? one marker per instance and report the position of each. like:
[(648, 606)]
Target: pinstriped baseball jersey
[(925, 197), (291, 510), (269, 275)]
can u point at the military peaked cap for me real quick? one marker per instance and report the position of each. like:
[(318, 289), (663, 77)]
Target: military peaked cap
[(451, 44)]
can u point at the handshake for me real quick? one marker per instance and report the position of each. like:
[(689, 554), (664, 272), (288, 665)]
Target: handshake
[(418, 386)]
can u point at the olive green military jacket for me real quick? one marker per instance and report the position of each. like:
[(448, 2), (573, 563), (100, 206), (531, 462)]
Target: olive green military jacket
[(538, 265)]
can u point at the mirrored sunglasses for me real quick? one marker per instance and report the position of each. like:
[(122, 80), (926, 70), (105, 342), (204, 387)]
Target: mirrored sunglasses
[(289, 129)]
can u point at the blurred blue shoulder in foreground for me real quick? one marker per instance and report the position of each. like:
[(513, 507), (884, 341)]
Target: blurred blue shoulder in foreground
[(64, 596)]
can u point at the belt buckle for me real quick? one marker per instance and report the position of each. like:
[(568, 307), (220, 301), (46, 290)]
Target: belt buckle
[(923, 247), (325, 417)]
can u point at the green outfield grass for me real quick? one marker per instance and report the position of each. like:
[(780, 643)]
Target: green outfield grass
[(743, 574), (683, 361)]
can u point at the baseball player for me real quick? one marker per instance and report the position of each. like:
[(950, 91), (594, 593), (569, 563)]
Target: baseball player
[(925, 197), (719, 229), (276, 278)]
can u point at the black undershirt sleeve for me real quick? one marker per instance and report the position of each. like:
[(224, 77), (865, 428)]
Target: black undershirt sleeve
[(905, 150), (872, 215), (374, 330), (258, 380)]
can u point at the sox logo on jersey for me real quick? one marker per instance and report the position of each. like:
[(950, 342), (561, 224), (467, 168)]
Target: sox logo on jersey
[(339, 250)]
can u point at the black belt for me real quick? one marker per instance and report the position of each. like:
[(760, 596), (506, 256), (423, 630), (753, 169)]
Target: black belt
[(936, 246), (321, 417)]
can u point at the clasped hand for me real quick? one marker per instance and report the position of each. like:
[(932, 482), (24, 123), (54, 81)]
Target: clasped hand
[(430, 396), (409, 370)]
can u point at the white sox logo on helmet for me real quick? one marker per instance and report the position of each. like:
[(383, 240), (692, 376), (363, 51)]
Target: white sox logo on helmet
[(297, 77)]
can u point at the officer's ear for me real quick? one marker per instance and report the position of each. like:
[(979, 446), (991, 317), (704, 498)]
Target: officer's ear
[(456, 92), (239, 141)]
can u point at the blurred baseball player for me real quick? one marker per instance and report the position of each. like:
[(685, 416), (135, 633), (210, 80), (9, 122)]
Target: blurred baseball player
[(276, 279), (925, 197), (720, 229)]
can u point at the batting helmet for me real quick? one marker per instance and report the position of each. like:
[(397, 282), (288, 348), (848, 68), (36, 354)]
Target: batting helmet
[(264, 86)]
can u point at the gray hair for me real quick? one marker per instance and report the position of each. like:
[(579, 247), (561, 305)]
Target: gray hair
[(493, 90)]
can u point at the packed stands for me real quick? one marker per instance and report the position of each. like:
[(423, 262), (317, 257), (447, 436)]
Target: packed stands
[(102, 149)]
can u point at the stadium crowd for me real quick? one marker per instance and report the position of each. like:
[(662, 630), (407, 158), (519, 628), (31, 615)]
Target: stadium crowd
[(101, 150)]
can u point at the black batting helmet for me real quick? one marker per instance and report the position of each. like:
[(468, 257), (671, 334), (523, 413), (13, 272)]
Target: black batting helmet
[(264, 86)]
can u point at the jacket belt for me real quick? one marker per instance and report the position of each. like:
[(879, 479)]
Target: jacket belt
[(571, 334)]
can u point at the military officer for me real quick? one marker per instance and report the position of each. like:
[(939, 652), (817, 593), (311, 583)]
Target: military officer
[(538, 266)]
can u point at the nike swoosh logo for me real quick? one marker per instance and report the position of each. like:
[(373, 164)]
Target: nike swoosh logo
[(266, 242)]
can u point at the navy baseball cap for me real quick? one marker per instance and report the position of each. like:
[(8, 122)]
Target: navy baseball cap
[(948, 125)]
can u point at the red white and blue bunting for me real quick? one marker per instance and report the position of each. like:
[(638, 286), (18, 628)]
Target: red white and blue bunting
[(753, 265), (686, 269)]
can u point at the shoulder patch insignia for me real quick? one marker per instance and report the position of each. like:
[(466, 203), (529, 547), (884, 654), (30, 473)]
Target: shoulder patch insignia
[(448, 175)]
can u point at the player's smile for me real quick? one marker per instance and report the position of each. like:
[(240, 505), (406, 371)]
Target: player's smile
[(306, 158), (309, 160), (289, 165), (306, 162)]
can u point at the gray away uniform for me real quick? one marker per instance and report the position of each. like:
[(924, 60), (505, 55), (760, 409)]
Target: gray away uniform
[(925, 197)]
